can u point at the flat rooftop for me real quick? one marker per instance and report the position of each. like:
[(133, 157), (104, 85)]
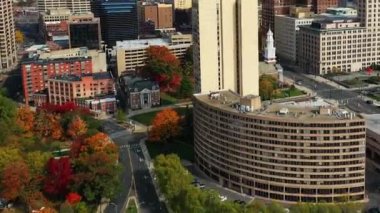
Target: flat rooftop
[(373, 122), (306, 109), (142, 43)]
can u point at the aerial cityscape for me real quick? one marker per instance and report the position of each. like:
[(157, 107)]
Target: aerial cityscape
[(190, 106)]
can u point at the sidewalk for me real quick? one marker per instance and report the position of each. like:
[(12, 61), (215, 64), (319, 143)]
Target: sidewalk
[(143, 111)]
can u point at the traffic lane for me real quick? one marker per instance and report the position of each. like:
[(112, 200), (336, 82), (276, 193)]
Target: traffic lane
[(148, 199), (126, 180)]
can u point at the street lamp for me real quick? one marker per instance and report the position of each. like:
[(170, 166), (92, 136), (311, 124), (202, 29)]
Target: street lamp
[(114, 205)]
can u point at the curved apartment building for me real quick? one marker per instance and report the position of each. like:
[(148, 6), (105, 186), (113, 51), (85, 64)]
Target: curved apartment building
[(291, 152)]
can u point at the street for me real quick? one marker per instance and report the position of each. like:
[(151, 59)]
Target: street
[(134, 165), (351, 99)]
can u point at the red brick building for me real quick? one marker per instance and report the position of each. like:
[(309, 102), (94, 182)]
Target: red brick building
[(70, 88), (270, 8), (36, 72), (320, 6)]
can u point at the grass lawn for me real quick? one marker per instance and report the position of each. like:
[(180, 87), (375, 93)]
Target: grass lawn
[(374, 96), (166, 99), (182, 149), (132, 208), (147, 118), (289, 93)]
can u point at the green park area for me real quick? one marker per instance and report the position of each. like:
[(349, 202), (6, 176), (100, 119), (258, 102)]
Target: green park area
[(180, 144), (148, 117)]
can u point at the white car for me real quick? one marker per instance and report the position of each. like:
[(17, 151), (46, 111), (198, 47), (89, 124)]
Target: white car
[(222, 198)]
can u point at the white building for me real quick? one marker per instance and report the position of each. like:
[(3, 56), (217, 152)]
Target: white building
[(131, 54), (8, 52), (342, 45), (286, 33), (180, 4), (226, 46), (270, 50), (75, 6)]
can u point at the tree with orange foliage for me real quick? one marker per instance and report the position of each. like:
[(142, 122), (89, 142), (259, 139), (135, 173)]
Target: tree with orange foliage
[(48, 125), (25, 118), (77, 127), (99, 142), (165, 126), (15, 177)]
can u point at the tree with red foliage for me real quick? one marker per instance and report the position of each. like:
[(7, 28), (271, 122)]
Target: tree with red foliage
[(165, 126), (59, 176), (77, 127), (63, 108), (162, 66), (73, 198), (25, 118), (15, 178)]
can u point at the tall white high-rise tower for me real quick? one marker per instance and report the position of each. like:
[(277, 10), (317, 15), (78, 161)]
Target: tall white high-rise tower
[(270, 50), (226, 46), (8, 53)]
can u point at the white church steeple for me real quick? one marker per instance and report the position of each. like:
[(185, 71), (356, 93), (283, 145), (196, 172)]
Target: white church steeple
[(270, 50)]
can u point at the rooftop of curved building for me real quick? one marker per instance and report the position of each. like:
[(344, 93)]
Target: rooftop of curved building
[(305, 108)]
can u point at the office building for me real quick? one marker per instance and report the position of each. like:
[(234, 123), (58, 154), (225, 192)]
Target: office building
[(154, 14), (75, 6), (118, 19), (180, 4), (8, 51), (271, 8), (224, 49), (286, 32), (373, 140), (341, 44), (84, 31), (287, 152), (68, 88), (132, 54), (321, 6), (41, 66)]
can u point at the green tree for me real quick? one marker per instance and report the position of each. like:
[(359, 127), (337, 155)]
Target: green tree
[(275, 208), (81, 207), (8, 111), (120, 116), (257, 207), (8, 155), (37, 161), (186, 89)]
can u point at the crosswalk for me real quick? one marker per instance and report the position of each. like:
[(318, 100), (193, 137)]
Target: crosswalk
[(130, 146)]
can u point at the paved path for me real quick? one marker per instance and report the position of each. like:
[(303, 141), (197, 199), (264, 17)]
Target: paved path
[(132, 113)]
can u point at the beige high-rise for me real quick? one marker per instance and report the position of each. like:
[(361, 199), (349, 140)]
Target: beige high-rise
[(75, 6), (7, 36), (226, 46)]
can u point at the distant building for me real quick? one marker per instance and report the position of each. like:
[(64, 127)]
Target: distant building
[(75, 6), (131, 55), (321, 6), (341, 44), (340, 12), (42, 65), (287, 30), (84, 31), (8, 51), (180, 4), (118, 19), (141, 93), (160, 15)]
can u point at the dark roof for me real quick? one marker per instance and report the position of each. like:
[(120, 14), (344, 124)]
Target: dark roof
[(140, 85), (71, 77), (36, 60)]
